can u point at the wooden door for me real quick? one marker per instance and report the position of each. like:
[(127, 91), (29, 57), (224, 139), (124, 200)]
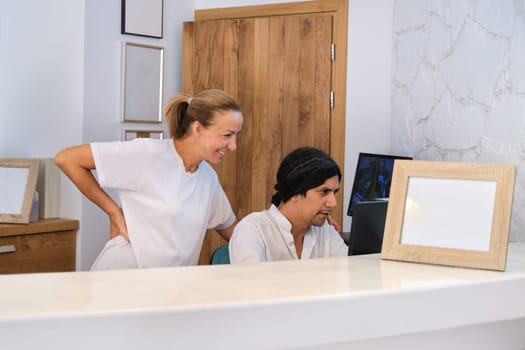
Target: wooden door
[(279, 68)]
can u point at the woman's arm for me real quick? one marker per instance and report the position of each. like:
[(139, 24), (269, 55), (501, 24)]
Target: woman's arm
[(227, 232), (77, 163)]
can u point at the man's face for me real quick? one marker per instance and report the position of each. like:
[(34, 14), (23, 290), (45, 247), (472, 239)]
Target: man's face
[(319, 202)]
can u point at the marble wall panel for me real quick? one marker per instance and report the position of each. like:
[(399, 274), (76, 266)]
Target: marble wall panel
[(458, 85)]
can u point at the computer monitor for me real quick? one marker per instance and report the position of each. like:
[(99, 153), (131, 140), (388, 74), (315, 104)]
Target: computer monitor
[(373, 177), (368, 225)]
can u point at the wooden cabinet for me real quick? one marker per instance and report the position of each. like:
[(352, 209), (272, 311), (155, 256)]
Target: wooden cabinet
[(47, 245)]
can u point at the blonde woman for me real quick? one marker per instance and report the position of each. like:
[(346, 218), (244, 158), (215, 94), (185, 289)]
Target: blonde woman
[(169, 194)]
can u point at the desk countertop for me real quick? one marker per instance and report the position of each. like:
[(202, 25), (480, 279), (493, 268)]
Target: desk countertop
[(335, 292)]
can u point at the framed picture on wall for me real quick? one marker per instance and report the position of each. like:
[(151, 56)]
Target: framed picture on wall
[(142, 82), (135, 134), (142, 18)]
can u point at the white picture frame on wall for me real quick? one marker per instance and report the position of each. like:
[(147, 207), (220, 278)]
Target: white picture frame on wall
[(142, 83), (143, 18)]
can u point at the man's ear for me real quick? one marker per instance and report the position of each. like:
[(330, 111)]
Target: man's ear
[(296, 198)]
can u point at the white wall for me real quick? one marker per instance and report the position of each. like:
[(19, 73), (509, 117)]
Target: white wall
[(42, 51), (368, 85), (41, 81), (101, 110)]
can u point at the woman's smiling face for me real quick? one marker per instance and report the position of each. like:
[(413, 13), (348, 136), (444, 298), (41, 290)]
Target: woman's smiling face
[(221, 135)]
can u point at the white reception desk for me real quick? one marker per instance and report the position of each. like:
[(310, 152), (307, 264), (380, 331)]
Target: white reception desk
[(359, 302)]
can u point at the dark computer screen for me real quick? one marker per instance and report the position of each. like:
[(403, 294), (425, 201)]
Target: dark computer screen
[(373, 177), (368, 225)]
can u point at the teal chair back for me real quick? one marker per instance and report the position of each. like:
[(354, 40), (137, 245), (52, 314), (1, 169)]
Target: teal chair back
[(221, 255)]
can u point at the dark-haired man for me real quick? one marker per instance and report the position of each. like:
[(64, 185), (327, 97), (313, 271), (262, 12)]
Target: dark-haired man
[(296, 224)]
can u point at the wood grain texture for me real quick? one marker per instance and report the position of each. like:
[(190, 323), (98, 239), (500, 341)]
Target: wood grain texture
[(339, 11), (280, 71), (318, 6), (44, 225), (45, 246)]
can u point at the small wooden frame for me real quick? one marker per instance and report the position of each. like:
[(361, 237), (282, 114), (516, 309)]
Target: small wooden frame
[(449, 213), (135, 134), (17, 187)]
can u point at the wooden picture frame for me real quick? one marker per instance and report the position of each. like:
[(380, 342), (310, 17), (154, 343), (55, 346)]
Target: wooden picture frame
[(128, 135), (142, 83), (142, 18), (449, 213), (17, 188)]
